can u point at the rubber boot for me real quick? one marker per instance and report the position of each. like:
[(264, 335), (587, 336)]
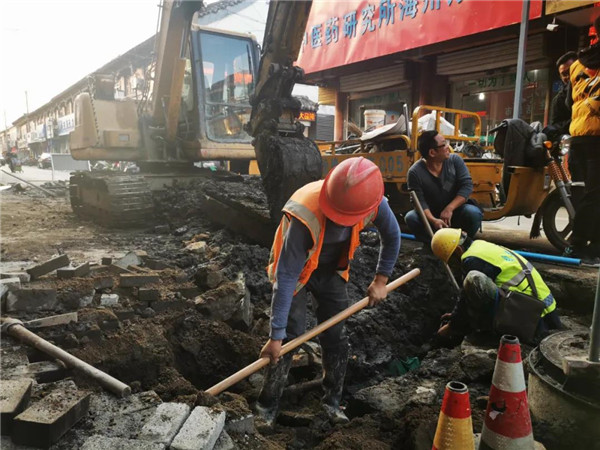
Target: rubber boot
[(267, 406), (335, 361)]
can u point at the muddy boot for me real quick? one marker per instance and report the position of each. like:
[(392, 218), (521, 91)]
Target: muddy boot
[(267, 405), (335, 361)]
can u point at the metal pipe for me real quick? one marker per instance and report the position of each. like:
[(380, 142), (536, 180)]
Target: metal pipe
[(51, 194), (423, 217), (521, 60), (595, 328), (15, 328)]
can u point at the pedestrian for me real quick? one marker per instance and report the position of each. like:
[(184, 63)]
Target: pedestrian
[(443, 185), (585, 140), (489, 273), (311, 252)]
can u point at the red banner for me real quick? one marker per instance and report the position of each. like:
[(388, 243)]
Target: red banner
[(341, 32)]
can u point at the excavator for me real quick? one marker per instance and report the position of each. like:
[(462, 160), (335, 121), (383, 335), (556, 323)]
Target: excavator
[(212, 97)]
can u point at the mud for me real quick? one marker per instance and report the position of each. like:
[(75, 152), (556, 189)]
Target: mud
[(179, 351)]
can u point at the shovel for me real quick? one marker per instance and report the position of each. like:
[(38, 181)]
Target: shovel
[(291, 345)]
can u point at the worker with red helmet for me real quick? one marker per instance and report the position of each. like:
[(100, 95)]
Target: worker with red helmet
[(311, 252)]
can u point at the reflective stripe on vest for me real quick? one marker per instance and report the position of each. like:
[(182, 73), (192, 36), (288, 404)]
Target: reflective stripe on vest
[(303, 205), (511, 274)]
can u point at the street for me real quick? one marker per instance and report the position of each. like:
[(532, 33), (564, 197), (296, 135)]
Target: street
[(33, 175)]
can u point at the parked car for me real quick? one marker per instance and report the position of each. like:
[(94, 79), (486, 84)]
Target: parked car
[(45, 161)]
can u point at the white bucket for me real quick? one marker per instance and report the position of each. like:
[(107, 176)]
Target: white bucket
[(374, 118)]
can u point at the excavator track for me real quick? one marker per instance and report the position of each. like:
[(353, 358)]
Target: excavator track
[(110, 199)]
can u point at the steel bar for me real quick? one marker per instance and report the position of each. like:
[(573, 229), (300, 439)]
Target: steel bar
[(421, 213), (15, 328), (595, 328), (291, 345)]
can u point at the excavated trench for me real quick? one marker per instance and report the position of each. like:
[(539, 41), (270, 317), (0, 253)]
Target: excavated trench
[(396, 373)]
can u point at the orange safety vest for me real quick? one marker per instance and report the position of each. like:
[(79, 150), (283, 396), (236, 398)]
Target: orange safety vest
[(304, 206)]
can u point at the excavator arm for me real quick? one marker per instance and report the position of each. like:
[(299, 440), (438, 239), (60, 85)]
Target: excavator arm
[(286, 158)]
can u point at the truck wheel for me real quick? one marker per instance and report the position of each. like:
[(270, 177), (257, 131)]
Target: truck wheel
[(556, 222)]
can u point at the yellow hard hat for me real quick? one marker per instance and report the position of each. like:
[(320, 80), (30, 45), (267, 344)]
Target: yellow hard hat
[(444, 242)]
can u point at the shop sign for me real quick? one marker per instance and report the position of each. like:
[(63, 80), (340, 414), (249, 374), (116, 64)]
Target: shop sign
[(499, 82), (555, 6), (311, 116), (66, 124), (348, 31)]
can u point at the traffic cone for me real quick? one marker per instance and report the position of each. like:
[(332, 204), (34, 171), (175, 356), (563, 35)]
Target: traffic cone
[(507, 423), (454, 428)]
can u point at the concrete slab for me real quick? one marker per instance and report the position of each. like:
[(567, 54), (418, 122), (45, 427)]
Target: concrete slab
[(224, 442), (24, 277), (98, 442), (136, 280), (46, 421), (14, 398), (200, 431), (31, 300), (41, 371), (121, 417), (48, 266), (165, 423)]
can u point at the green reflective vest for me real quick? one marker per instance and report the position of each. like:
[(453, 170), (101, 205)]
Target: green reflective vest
[(511, 274)]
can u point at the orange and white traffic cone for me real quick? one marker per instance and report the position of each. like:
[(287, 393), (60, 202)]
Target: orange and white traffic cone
[(454, 429), (507, 423)]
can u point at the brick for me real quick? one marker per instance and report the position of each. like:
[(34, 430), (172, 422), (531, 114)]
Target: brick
[(46, 421), (48, 266), (14, 398), (41, 371), (98, 442), (109, 300), (224, 442), (200, 431), (104, 283), (106, 261), (165, 423), (148, 295), (31, 300), (74, 272), (23, 276), (136, 280)]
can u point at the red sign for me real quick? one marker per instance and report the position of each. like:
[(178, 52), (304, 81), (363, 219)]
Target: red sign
[(347, 31), (308, 115)]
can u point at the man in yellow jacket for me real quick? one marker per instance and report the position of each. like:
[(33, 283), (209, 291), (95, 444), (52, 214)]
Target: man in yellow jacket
[(311, 252), (585, 141), (488, 268)]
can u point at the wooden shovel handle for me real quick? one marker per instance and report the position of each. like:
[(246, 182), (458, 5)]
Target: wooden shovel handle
[(291, 345)]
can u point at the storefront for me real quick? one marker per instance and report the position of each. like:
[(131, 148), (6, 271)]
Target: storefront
[(460, 54)]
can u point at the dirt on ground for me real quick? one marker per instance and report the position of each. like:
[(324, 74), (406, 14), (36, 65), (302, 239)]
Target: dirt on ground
[(213, 317)]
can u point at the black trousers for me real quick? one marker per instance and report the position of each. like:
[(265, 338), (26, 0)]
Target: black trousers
[(586, 226)]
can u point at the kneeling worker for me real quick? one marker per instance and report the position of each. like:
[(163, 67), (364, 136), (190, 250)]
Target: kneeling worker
[(311, 252), (489, 270)]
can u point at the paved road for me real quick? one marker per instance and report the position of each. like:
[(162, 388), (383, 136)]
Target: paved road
[(33, 174)]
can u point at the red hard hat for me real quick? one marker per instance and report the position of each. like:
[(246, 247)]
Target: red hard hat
[(351, 190)]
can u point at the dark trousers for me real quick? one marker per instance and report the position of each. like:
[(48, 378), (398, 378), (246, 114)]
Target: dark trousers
[(586, 227), (466, 217)]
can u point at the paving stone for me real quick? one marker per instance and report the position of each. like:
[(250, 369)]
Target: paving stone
[(113, 268), (14, 398), (165, 423), (73, 272), (148, 295), (109, 300), (200, 431), (12, 357), (46, 421), (48, 266), (104, 283), (31, 300), (23, 276), (98, 442), (41, 371), (136, 280), (224, 442), (40, 390), (120, 417)]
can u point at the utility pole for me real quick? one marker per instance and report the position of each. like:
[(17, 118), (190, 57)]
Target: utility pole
[(521, 60)]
